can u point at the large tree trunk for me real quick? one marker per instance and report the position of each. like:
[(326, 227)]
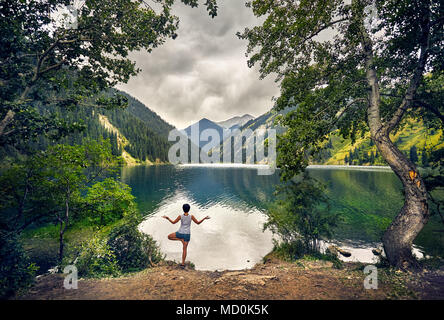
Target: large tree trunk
[(399, 236)]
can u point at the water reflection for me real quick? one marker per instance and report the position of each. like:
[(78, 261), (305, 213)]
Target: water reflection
[(231, 239), (236, 197)]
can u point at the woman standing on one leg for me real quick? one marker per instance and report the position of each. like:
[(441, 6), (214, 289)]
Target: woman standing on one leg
[(184, 232)]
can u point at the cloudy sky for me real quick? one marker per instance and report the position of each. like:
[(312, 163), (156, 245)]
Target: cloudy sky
[(203, 72)]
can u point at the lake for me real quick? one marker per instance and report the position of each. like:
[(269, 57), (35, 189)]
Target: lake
[(236, 197)]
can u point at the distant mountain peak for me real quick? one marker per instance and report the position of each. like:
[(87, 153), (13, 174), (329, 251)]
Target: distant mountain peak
[(201, 125), (237, 121)]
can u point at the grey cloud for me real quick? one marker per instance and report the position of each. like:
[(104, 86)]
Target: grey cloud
[(203, 73)]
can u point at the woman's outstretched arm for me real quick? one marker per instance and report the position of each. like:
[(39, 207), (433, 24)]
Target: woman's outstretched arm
[(197, 221), (173, 222)]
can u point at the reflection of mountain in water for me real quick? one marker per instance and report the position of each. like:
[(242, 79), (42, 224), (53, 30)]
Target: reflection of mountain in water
[(367, 200), (232, 187), (236, 187)]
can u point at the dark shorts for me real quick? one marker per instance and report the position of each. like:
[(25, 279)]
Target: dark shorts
[(184, 236)]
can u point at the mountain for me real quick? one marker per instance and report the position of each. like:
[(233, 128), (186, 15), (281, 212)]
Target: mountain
[(136, 132), (264, 122), (200, 126), (413, 138), (236, 122), (142, 112)]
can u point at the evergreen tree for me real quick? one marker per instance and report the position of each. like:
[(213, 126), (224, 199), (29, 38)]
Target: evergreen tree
[(424, 158), (413, 154)]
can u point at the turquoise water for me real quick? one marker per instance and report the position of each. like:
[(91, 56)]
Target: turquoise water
[(236, 198)]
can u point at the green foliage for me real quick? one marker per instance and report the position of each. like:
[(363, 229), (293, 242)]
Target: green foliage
[(413, 154), (326, 78), (145, 132), (434, 181), (96, 259), (293, 251), (134, 250), (50, 63), (38, 187), (301, 214), (108, 201), (48, 186), (413, 134), (16, 271), (289, 251), (68, 170)]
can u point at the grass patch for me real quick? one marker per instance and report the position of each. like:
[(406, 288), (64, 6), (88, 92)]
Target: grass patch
[(295, 252), (42, 243)]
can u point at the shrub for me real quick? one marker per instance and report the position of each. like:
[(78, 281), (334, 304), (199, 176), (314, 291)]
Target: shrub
[(16, 271), (301, 216), (108, 201), (289, 251), (96, 259), (133, 249)]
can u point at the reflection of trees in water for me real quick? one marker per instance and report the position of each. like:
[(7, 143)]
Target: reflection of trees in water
[(366, 191), (236, 187), (367, 200), (150, 185)]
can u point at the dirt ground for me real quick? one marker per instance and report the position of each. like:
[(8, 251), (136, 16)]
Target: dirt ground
[(274, 279)]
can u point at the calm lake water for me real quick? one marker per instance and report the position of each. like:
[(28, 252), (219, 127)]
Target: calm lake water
[(236, 197)]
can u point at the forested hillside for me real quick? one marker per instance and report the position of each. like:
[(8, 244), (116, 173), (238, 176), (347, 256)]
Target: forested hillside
[(143, 113), (413, 138), (144, 132)]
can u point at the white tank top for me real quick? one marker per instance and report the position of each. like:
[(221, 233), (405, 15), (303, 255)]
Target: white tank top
[(185, 224)]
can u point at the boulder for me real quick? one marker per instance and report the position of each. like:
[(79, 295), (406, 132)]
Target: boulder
[(344, 253), (334, 250)]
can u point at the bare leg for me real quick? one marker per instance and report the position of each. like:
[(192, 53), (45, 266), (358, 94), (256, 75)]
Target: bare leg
[(172, 236), (184, 252)]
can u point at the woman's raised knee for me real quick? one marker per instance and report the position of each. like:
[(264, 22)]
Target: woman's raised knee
[(172, 236)]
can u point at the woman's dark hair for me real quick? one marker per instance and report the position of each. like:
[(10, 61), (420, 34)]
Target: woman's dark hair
[(186, 207)]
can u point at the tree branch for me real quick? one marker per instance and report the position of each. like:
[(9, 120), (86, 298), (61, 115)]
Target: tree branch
[(320, 29), (430, 108), (346, 109), (415, 81), (54, 66), (6, 121), (9, 117)]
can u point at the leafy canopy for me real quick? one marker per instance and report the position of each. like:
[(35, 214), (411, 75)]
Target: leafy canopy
[(315, 48), (39, 188), (108, 201), (46, 61)]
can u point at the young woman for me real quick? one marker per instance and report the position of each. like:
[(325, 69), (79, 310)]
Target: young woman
[(184, 232)]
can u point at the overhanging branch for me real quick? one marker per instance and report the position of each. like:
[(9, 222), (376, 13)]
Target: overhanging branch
[(415, 81)]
